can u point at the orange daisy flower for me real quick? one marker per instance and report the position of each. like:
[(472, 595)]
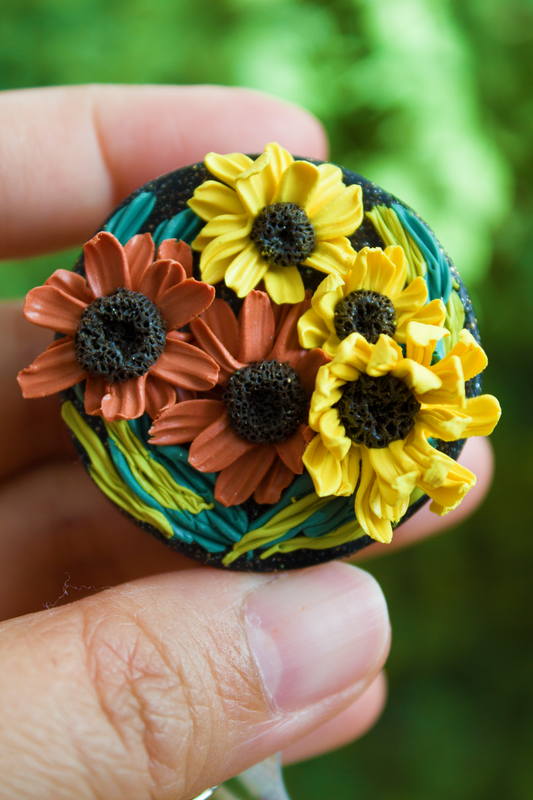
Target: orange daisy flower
[(255, 432), (120, 326)]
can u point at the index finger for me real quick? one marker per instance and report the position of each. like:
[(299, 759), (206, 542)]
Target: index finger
[(68, 155)]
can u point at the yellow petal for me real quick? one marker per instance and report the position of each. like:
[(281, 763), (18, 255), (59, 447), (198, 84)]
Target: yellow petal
[(485, 412), (397, 255), (312, 330), (221, 226), (334, 434), (345, 373), (279, 160), (255, 186), (379, 529), (380, 270), (341, 217), (350, 466), (419, 379), (395, 485), (356, 277), (421, 340), (385, 355), (452, 390), (326, 298), (327, 393), (442, 479), (212, 199), (284, 285), (443, 422), (354, 351), (220, 252), (448, 495), (473, 357), (433, 314), (227, 168), (384, 510), (246, 270), (324, 469), (335, 256), (298, 184), (329, 188), (412, 298)]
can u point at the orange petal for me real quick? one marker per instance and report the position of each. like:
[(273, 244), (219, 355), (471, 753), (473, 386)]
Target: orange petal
[(54, 309), (106, 267), (223, 322), (211, 344), (238, 481), (184, 302), (308, 367), (257, 327), (95, 390), (71, 283), (275, 481), (159, 277), (124, 400), (287, 346), (292, 449), (159, 395), (183, 422), (54, 370), (280, 315), (139, 255), (182, 336), (217, 446), (183, 365), (177, 251), (184, 394)]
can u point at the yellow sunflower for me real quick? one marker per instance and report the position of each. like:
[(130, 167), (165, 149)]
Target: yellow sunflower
[(271, 216), (370, 299), (374, 409)]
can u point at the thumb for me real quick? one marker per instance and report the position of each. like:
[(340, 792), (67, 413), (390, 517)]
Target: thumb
[(169, 685)]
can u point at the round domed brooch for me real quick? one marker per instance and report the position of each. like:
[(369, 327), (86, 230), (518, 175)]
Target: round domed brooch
[(265, 361)]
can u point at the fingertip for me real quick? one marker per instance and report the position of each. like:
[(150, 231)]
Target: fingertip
[(84, 148), (192, 121), (350, 724)]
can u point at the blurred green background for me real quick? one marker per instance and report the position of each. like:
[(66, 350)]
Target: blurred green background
[(433, 100)]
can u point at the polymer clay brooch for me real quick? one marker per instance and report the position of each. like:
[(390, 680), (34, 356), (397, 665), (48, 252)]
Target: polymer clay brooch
[(266, 362)]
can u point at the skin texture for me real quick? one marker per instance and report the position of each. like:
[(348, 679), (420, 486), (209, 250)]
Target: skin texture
[(154, 687)]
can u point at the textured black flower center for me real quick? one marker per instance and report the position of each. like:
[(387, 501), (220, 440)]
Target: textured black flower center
[(120, 336), (377, 411), (265, 402), (365, 312), (284, 234)]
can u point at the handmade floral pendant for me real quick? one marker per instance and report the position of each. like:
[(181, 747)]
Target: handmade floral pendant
[(265, 362)]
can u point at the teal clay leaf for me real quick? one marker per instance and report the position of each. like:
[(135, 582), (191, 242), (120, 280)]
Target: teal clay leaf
[(185, 226), (438, 276), (127, 222)]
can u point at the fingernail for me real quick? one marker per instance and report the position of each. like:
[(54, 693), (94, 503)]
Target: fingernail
[(316, 632)]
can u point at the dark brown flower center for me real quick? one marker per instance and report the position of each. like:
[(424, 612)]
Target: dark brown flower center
[(365, 312), (377, 411), (265, 402), (284, 234), (120, 336)]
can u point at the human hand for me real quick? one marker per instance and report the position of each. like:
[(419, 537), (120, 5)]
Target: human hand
[(177, 677)]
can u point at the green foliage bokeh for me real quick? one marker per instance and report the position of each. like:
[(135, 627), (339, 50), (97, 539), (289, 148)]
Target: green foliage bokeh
[(432, 100)]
